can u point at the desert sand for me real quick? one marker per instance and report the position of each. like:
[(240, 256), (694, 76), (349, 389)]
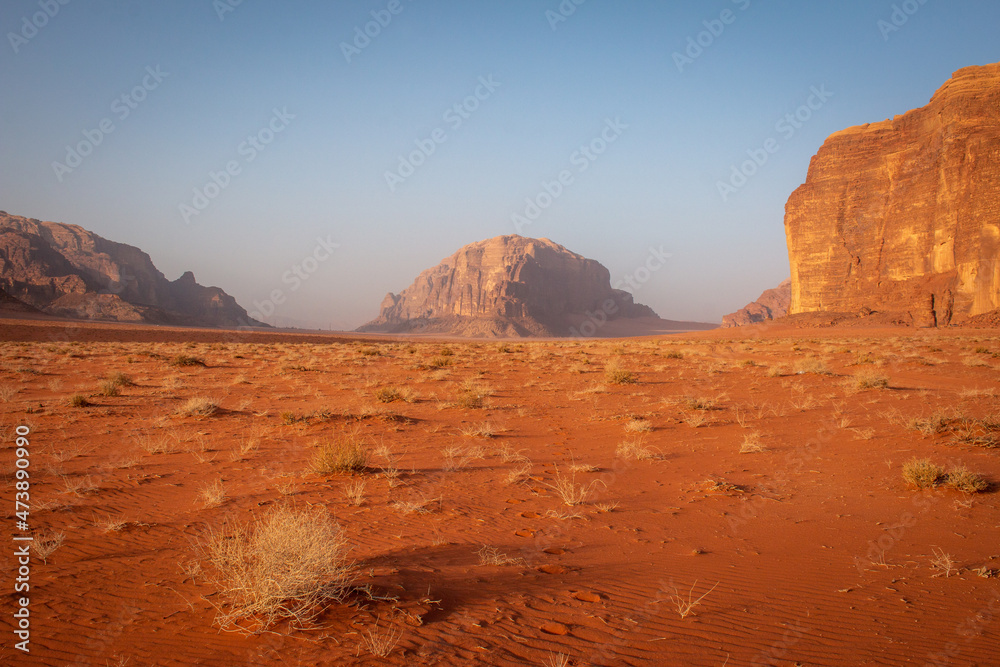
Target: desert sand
[(733, 497)]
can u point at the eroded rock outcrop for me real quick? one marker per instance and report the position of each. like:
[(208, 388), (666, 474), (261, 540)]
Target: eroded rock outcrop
[(904, 215), (770, 305), (68, 271), (508, 286)]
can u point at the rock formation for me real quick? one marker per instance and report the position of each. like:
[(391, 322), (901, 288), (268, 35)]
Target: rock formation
[(67, 271), (770, 305), (904, 215), (509, 286)]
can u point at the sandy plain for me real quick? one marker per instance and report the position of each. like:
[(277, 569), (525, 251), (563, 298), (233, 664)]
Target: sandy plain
[(730, 497)]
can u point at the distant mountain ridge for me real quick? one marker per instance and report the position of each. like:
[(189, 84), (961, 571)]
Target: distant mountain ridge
[(511, 286), (67, 271), (770, 305)]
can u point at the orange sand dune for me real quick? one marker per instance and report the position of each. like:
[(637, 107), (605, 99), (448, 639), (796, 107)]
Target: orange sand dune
[(810, 549)]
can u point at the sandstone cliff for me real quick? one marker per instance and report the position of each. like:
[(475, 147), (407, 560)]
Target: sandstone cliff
[(770, 305), (509, 286), (67, 271), (904, 215)]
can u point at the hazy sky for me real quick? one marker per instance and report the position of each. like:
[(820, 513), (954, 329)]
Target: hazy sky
[(443, 122)]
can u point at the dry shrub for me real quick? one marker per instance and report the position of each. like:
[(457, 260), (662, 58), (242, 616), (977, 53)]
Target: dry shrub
[(185, 360), (79, 401), (965, 480), (639, 425), (615, 374), (287, 565), (811, 365), (199, 406), (473, 394), (869, 378), (346, 453), (751, 443), (922, 473)]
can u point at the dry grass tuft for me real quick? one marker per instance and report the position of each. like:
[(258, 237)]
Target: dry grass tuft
[(615, 374), (635, 449), (965, 480), (380, 643), (751, 443), (569, 491), (199, 406), (286, 565), (473, 394), (685, 604), (943, 563), (185, 360), (490, 555), (922, 473), (45, 544), (869, 378), (346, 453), (213, 494), (79, 401), (355, 492), (638, 426)]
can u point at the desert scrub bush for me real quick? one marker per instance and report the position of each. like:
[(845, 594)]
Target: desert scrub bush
[(569, 491), (439, 362), (78, 401), (391, 394), (704, 404), (45, 544), (751, 443), (480, 430), (635, 449), (120, 379), (109, 389), (777, 371), (811, 365), (869, 378), (922, 473), (490, 555), (638, 426), (289, 564), (963, 479), (346, 453), (936, 423), (213, 494), (473, 394), (185, 360), (615, 374), (199, 406)]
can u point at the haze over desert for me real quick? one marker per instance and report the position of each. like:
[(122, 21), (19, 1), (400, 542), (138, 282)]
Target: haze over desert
[(401, 333)]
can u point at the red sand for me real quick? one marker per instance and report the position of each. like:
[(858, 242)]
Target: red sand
[(812, 552)]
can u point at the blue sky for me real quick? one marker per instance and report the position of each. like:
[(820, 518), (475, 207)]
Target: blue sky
[(309, 130)]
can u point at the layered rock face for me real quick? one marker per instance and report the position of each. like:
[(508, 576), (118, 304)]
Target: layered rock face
[(67, 271), (904, 215), (770, 305), (507, 286)]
